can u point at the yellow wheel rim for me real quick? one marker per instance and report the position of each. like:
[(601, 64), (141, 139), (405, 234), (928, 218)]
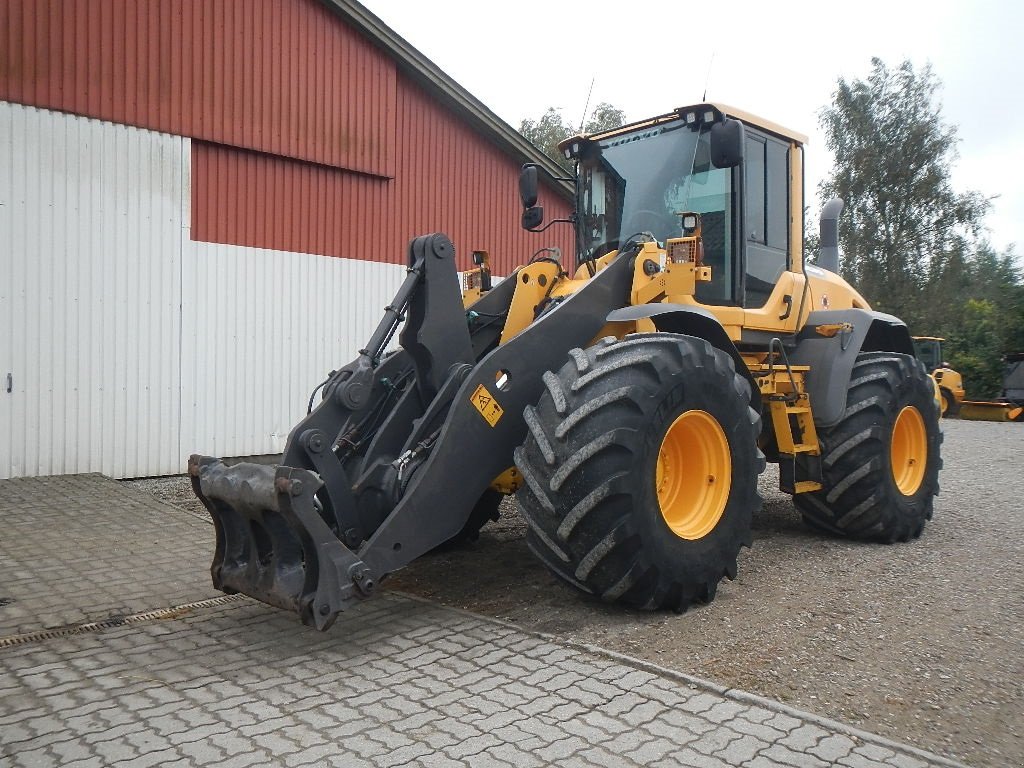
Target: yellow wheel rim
[(694, 474), (909, 451)]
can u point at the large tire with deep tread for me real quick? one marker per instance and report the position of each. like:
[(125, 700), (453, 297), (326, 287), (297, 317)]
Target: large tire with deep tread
[(860, 497), (590, 459)]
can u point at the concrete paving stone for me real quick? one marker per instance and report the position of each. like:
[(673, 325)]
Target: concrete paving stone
[(604, 691), (71, 577), (738, 751), (624, 743), (566, 711), (626, 678), (511, 754), (604, 757), (751, 723), (397, 681), (853, 760), (715, 740), (672, 724), (623, 703), (783, 722), (874, 752), (439, 760), (652, 751), (785, 756), (87, 762), (580, 693), (903, 760), (151, 759), (724, 711), (699, 703), (690, 758), (541, 704), (643, 712), (561, 748), (403, 756), (591, 733), (833, 747), (467, 748), (803, 736)]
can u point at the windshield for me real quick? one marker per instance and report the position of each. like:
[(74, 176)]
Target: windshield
[(637, 182)]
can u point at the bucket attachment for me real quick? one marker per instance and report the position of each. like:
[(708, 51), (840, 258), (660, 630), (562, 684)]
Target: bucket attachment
[(978, 410), (273, 543)]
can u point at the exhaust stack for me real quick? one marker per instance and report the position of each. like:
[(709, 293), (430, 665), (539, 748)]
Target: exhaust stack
[(828, 255)]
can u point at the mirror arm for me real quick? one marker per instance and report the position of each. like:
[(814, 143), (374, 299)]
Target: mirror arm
[(550, 175), (570, 220)]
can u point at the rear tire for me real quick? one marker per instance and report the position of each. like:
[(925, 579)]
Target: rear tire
[(880, 463), (613, 442), (950, 407)]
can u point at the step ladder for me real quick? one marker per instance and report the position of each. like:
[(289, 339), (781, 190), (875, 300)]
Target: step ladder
[(793, 424)]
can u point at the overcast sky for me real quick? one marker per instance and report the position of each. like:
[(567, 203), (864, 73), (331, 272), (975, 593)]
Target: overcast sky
[(777, 60)]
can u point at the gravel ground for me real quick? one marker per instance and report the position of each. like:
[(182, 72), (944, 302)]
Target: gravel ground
[(920, 642)]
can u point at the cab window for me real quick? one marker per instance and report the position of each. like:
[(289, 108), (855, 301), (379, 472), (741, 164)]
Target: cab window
[(766, 215)]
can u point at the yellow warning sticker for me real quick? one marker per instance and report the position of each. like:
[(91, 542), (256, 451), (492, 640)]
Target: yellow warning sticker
[(484, 402)]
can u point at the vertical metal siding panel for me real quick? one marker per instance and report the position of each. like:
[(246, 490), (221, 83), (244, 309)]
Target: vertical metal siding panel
[(242, 404), (185, 68), (7, 268), (96, 309)]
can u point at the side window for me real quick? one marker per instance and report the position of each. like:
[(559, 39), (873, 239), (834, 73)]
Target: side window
[(766, 216), (754, 168), (777, 184)]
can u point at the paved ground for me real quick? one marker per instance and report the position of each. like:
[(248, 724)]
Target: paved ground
[(399, 681)]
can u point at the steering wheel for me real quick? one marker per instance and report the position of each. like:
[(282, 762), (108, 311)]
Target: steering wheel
[(646, 220)]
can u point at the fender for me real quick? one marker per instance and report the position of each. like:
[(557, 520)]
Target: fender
[(831, 359), (690, 321)]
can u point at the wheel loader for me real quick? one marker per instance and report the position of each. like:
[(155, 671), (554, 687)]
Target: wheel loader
[(628, 396), (949, 384)]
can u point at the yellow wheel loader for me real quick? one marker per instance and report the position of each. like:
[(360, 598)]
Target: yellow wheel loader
[(629, 400), (950, 386), (948, 380)]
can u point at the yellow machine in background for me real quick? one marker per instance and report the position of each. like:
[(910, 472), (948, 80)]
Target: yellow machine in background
[(951, 388), (949, 381)]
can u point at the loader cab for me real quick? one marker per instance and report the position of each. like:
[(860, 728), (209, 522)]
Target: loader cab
[(928, 349), (742, 178)]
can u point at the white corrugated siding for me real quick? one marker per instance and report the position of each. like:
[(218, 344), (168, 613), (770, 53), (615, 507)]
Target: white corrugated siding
[(261, 329), (130, 346), (90, 240)]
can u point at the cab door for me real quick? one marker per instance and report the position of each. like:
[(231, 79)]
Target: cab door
[(771, 289)]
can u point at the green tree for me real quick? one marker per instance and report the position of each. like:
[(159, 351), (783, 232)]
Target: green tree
[(546, 132), (974, 348), (903, 221)]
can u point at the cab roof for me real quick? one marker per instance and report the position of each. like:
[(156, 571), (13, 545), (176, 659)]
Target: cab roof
[(747, 118)]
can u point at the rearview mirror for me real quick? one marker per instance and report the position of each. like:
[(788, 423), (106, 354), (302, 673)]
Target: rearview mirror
[(727, 143), (528, 186), (533, 217)]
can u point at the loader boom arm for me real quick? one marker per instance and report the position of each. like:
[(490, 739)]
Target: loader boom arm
[(392, 461)]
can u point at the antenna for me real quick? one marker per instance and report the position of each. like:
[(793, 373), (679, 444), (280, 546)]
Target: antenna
[(708, 77), (586, 106)]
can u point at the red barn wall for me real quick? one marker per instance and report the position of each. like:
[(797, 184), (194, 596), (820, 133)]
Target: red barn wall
[(307, 136)]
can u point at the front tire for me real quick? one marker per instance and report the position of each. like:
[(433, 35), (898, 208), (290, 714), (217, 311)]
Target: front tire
[(880, 463), (640, 469)]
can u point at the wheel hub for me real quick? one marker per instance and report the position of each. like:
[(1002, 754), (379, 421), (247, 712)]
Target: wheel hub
[(694, 474), (909, 451)]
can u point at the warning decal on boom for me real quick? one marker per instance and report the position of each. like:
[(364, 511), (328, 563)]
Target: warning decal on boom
[(484, 402)]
